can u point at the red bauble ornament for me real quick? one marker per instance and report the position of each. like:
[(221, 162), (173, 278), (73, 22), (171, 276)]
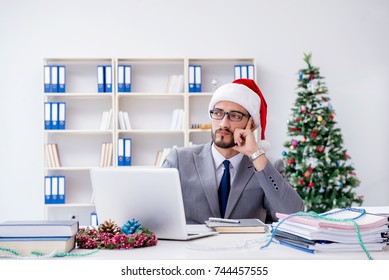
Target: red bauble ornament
[(301, 181), (332, 117), (307, 174), (313, 135), (310, 169), (310, 184), (311, 76)]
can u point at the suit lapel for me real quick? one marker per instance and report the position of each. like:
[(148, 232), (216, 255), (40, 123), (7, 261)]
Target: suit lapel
[(243, 175), (206, 172)]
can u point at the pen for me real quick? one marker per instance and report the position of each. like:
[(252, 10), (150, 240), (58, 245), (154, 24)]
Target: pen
[(221, 220)]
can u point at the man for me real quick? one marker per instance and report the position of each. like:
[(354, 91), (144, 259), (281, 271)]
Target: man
[(248, 186)]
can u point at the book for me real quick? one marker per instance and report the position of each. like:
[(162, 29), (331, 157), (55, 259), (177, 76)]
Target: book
[(39, 228), (24, 246), (244, 226)]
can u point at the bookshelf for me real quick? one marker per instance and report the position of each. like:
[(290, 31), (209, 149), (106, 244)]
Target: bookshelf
[(149, 106)]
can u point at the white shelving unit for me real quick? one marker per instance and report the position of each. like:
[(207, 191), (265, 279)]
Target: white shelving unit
[(149, 106)]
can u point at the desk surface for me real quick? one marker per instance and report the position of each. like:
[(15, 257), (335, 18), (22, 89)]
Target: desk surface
[(230, 247)]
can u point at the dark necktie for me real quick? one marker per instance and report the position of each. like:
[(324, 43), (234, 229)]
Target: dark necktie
[(224, 188)]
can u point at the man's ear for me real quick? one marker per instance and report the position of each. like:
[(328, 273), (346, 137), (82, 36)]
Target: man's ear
[(252, 127)]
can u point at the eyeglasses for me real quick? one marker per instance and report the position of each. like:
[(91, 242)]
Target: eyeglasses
[(234, 116)]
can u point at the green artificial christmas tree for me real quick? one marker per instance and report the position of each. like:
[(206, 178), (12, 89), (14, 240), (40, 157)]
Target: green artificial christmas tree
[(316, 163)]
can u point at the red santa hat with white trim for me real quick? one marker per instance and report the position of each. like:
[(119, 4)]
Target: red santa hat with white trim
[(247, 94)]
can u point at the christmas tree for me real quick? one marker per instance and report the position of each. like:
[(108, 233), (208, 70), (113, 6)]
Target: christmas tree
[(316, 163)]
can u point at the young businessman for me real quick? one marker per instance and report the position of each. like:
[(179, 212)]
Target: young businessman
[(248, 186)]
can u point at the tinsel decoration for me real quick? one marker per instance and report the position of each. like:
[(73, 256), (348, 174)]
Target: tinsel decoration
[(107, 237)]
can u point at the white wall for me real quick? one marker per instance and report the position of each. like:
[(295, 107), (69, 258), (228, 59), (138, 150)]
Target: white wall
[(349, 41)]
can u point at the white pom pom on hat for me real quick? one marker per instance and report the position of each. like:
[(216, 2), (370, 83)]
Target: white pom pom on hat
[(247, 94)]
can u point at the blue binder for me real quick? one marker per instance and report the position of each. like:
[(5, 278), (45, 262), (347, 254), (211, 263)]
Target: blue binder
[(192, 78), (61, 189), (54, 78), (120, 152), (47, 115), (54, 115), (127, 151), (47, 78), (237, 72), (94, 221), (61, 115), (108, 78), (198, 78), (127, 78), (54, 189), (100, 78), (121, 86), (61, 78), (250, 71), (47, 189)]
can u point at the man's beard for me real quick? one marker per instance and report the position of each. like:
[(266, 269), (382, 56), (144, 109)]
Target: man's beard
[(222, 144)]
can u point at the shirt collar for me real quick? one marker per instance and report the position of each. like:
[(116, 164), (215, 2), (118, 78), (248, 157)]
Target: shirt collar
[(218, 158)]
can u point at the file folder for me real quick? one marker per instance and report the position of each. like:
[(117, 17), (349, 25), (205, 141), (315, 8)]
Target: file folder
[(47, 78), (100, 78), (127, 151), (243, 71), (47, 189), (127, 78), (108, 78), (250, 71), (54, 189), (61, 78), (54, 78), (237, 72), (61, 189), (121, 86), (198, 78), (47, 113), (61, 115), (54, 115), (120, 152), (94, 222), (192, 78)]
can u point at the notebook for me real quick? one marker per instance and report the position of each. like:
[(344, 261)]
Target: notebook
[(150, 194)]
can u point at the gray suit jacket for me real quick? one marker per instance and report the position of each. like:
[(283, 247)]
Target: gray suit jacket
[(254, 194)]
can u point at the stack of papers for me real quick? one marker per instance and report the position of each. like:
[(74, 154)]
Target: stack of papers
[(336, 230)]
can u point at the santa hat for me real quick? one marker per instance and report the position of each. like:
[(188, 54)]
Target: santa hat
[(247, 94)]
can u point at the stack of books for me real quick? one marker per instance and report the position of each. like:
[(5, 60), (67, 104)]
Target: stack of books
[(25, 238), (237, 225), (337, 230)]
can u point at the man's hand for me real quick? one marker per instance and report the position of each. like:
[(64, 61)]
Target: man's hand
[(245, 140)]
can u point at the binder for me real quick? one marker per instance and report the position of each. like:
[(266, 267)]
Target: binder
[(237, 73), (100, 78), (94, 222), (108, 78), (127, 151), (61, 115), (120, 152), (198, 78), (127, 78), (47, 115), (250, 72), (47, 78), (192, 78), (54, 78), (54, 189), (121, 86), (243, 71), (47, 189), (61, 189), (54, 115), (61, 78)]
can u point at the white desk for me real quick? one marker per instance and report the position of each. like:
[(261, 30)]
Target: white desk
[(225, 247)]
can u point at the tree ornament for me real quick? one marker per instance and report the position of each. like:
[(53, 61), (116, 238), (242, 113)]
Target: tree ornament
[(291, 147), (307, 174), (284, 153), (300, 75), (319, 118), (310, 184), (108, 227), (332, 117), (294, 143)]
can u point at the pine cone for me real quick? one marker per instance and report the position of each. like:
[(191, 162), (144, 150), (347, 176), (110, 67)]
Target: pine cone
[(109, 227)]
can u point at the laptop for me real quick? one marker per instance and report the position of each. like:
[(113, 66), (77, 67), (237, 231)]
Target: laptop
[(150, 194)]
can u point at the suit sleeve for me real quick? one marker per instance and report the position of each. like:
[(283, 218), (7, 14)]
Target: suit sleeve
[(279, 194)]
